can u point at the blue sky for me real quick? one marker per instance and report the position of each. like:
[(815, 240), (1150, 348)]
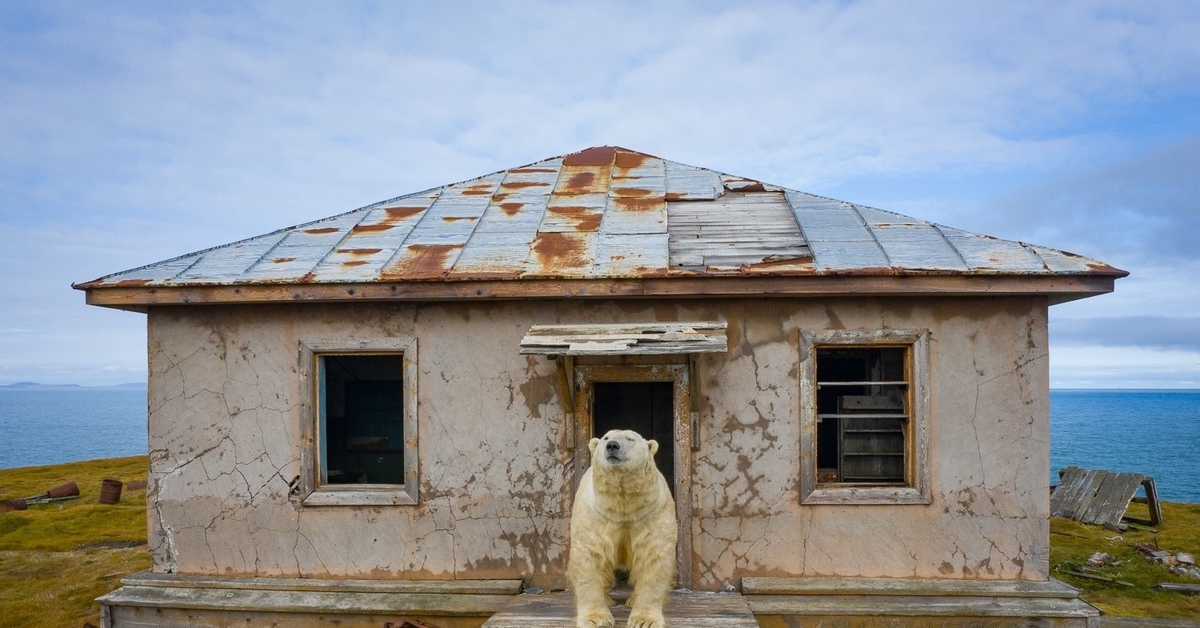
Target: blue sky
[(132, 132)]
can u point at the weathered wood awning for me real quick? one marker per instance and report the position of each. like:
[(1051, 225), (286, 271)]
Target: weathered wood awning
[(635, 339)]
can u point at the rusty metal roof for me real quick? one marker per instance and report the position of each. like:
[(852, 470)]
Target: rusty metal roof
[(605, 213)]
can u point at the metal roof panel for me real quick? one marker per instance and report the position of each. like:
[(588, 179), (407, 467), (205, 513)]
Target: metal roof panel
[(605, 212)]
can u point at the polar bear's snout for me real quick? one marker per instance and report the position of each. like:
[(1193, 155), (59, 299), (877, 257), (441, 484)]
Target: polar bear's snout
[(613, 451)]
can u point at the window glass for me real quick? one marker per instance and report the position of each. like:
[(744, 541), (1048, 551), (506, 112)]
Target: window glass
[(362, 412)]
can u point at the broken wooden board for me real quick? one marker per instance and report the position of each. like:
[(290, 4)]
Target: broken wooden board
[(637, 339), (1174, 587), (684, 609), (1100, 497)]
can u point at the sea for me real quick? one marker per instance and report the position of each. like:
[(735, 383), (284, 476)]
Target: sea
[(1153, 432)]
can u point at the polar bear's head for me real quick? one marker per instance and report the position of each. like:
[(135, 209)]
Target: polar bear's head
[(622, 449)]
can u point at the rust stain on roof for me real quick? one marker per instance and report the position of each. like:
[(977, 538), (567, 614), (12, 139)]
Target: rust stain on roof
[(639, 204), (560, 250), (360, 252), (512, 208), (322, 230), (596, 156), (633, 192), (516, 185), (400, 213), (375, 228), (581, 180), (585, 218), (422, 261), (628, 160)]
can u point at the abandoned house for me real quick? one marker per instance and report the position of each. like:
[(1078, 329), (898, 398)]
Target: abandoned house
[(378, 418)]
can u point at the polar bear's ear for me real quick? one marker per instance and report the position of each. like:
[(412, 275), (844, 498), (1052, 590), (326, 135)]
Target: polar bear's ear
[(653, 444), (592, 444)]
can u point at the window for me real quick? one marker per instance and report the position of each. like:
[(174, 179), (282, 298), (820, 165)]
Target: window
[(360, 440), (865, 434)]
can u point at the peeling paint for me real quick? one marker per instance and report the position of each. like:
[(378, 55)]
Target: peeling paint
[(496, 480)]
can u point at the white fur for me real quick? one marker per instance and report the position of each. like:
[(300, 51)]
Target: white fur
[(623, 518)]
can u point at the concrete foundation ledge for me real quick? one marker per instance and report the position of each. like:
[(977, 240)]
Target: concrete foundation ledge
[(148, 599)]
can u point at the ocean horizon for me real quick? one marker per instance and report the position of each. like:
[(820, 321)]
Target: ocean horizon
[(1155, 432)]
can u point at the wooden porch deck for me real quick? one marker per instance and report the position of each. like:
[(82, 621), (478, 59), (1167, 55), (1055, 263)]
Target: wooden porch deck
[(684, 609)]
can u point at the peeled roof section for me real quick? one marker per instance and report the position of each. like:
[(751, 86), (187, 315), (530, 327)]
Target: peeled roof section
[(605, 213)]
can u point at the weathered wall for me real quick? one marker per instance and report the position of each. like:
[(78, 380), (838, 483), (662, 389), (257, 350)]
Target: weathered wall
[(495, 477)]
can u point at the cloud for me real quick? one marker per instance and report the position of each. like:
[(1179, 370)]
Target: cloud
[(1155, 332), (1141, 211), (1123, 367), (134, 132)]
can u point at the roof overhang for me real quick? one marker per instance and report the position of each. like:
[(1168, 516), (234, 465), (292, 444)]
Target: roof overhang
[(1057, 288)]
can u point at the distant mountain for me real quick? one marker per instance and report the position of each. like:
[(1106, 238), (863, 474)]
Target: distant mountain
[(37, 386)]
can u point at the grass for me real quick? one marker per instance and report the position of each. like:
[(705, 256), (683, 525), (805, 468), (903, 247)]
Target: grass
[(56, 559), (1072, 542)]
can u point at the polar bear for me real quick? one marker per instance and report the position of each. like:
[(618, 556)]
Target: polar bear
[(623, 518)]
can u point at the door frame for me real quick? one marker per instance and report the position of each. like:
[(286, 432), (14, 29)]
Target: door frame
[(681, 400)]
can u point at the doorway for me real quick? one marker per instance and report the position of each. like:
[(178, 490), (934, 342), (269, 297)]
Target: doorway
[(656, 402), (644, 407)]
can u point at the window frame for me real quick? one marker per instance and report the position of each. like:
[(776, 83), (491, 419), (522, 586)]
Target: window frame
[(916, 459), (308, 490)]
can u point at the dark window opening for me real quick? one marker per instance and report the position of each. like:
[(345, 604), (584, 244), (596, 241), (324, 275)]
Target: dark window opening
[(862, 415), (362, 419), (645, 407)]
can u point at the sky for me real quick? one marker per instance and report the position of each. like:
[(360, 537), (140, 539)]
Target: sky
[(132, 132)]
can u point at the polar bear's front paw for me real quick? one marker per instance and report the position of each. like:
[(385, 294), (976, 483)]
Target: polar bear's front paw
[(594, 619), (646, 619)]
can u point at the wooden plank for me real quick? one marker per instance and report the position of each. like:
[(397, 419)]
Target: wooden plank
[(305, 601), (147, 578), (1094, 496), (1112, 498), (917, 606), (1152, 502), (905, 586), (135, 617), (1174, 587), (624, 339), (684, 609)]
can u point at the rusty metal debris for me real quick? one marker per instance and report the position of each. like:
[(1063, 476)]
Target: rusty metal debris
[(68, 490)]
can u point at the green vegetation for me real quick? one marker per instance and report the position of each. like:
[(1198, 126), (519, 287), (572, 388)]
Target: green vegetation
[(1072, 543), (57, 558)]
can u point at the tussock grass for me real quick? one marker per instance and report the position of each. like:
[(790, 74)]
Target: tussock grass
[(1072, 542), (57, 558)]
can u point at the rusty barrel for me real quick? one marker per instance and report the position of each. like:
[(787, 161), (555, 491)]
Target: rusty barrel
[(110, 491), (70, 489)]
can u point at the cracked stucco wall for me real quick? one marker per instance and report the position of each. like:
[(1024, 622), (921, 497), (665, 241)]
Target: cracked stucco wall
[(989, 449), (495, 473)]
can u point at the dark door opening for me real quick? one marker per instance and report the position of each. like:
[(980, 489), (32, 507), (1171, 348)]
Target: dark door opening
[(644, 407)]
